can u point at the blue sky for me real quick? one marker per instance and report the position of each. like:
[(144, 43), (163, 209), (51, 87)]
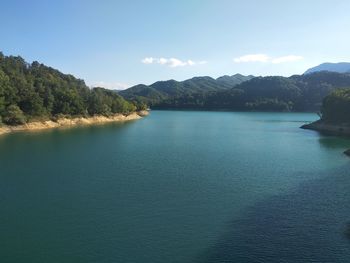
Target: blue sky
[(117, 44)]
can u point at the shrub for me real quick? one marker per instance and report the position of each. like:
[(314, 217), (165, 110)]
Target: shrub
[(14, 115)]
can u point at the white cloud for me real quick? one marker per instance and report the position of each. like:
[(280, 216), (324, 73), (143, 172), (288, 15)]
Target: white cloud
[(174, 62), (191, 63), (110, 85), (148, 60), (171, 62), (267, 59), (162, 61), (252, 58), (290, 58)]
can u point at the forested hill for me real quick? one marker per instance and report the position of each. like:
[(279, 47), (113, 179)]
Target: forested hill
[(335, 115), (160, 91), (336, 107), (35, 91), (296, 93)]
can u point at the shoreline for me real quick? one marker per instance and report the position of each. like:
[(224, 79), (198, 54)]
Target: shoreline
[(329, 129), (72, 122)]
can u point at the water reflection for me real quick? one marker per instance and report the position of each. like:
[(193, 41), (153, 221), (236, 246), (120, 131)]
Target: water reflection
[(333, 142), (308, 224)]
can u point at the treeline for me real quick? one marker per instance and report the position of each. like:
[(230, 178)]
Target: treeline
[(336, 107), (296, 93), (162, 91), (35, 91), (260, 94)]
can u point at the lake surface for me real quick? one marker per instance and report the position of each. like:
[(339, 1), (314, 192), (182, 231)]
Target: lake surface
[(176, 186)]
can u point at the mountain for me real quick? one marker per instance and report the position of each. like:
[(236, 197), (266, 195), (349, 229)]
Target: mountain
[(342, 67), (336, 107), (233, 80), (163, 90), (335, 115), (272, 93), (33, 91)]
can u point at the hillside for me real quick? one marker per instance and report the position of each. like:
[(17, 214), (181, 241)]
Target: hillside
[(36, 92), (164, 90), (342, 67), (336, 107), (335, 115), (273, 93)]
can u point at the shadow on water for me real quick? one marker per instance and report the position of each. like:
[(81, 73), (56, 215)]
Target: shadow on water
[(333, 142), (307, 224), (282, 121)]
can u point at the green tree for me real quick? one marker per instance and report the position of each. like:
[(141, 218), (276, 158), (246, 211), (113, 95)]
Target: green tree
[(336, 107), (4, 86), (14, 115)]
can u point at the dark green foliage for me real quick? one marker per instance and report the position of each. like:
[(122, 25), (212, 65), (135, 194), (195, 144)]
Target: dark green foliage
[(140, 106), (280, 88), (296, 93), (314, 87), (257, 94), (106, 102), (4, 87), (32, 91), (230, 81), (336, 107), (162, 92), (268, 105), (13, 115)]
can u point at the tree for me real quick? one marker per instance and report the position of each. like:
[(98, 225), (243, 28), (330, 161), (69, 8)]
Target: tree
[(34, 90), (14, 115), (3, 87), (336, 107)]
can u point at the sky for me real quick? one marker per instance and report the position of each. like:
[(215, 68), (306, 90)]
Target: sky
[(117, 44)]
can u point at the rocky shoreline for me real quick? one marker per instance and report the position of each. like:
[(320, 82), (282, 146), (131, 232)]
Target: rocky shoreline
[(71, 122), (330, 129)]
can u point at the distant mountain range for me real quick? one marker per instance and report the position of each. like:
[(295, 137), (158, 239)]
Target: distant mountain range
[(342, 67), (163, 90), (241, 93), (35, 91)]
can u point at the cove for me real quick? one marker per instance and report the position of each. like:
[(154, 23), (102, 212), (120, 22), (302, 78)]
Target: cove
[(176, 186)]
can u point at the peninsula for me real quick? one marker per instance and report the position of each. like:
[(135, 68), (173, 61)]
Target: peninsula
[(335, 115), (35, 97)]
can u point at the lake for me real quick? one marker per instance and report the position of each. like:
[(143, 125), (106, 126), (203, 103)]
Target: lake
[(176, 186)]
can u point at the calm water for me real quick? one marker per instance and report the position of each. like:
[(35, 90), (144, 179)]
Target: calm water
[(176, 187)]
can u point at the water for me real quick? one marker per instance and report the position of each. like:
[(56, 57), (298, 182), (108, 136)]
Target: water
[(177, 186)]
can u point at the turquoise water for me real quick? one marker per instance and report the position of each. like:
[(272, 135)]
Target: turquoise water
[(176, 186)]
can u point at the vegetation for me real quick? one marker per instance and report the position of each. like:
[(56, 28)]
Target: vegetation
[(14, 115), (336, 107), (182, 92), (35, 91), (296, 93)]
